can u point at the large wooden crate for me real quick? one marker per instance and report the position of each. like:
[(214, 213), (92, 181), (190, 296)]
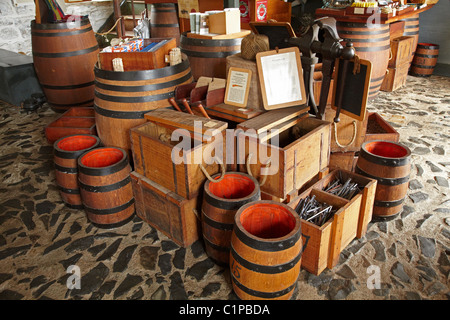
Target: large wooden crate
[(401, 48), (173, 215), (323, 245), (152, 147), (395, 77), (301, 151)]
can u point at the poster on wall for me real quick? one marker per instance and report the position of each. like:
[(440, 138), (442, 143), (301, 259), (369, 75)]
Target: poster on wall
[(244, 8), (261, 10)]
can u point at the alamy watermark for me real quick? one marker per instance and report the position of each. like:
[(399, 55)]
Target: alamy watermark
[(73, 281)]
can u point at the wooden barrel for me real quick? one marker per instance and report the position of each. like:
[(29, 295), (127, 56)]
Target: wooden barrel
[(64, 55), (266, 249), (412, 30), (371, 42), (122, 98), (209, 57), (388, 163), (65, 154), (424, 60), (105, 187), (164, 21), (221, 200)]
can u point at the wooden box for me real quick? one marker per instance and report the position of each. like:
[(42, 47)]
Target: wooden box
[(345, 130), (226, 22), (395, 77), (367, 193), (323, 245), (296, 145), (166, 211), (402, 49), (343, 160), (68, 125), (152, 146), (380, 129), (135, 61), (396, 29)]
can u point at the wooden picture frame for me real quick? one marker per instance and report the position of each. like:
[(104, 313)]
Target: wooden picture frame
[(238, 87), (356, 89), (281, 78)]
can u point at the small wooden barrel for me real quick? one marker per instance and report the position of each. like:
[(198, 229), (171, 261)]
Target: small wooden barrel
[(424, 60), (221, 200), (371, 42), (209, 57), (105, 187), (64, 55), (388, 163), (66, 152), (266, 250), (122, 98), (164, 21), (412, 30)]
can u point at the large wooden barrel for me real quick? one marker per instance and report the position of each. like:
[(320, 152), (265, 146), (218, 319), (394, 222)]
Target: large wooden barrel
[(221, 200), (122, 98), (424, 60), (209, 57), (105, 187), (412, 30), (164, 21), (266, 250), (371, 42), (64, 55), (66, 151), (388, 163)]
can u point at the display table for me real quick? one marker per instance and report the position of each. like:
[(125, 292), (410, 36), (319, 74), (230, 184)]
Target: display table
[(370, 35)]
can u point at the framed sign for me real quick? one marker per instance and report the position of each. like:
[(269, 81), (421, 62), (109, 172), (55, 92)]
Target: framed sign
[(238, 86), (281, 78)]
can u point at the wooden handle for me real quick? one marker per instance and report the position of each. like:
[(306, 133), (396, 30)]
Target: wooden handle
[(174, 104), (203, 111), (186, 105)]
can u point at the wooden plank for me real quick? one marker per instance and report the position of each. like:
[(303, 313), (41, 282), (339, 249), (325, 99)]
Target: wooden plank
[(186, 121), (214, 36)]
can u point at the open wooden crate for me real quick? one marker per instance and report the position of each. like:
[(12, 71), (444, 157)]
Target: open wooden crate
[(325, 243), (302, 150)]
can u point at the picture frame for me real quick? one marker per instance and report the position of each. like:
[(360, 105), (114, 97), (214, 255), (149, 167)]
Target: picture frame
[(281, 78), (238, 87)]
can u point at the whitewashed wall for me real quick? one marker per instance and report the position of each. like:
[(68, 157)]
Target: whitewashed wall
[(15, 19)]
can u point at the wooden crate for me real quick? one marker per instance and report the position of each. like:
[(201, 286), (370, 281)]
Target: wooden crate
[(166, 211), (323, 245), (343, 160), (402, 49), (302, 151), (367, 195), (380, 129), (395, 78), (152, 148), (65, 126), (345, 131), (135, 61)]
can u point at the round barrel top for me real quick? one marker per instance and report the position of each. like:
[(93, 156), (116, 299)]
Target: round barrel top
[(60, 26)]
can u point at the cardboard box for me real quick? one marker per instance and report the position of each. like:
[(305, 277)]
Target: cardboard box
[(226, 22)]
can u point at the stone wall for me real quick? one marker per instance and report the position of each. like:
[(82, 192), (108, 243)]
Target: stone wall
[(15, 21)]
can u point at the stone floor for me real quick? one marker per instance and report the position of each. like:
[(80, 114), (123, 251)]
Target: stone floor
[(40, 237)]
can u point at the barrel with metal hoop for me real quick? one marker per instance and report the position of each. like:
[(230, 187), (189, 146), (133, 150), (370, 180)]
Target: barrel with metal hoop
[(122, 98), (412, 30), (164, 21), (388, 163), (64, 55), (371, 42), (266, 251), (424, 60), (223, 195), (208, 57)]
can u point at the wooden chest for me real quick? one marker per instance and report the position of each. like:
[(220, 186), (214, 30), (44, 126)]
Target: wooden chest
[(402, 49), (296, 145), (166, 211), (155, 155)]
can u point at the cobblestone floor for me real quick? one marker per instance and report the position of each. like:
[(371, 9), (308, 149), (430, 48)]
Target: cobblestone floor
[(40, 237)]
